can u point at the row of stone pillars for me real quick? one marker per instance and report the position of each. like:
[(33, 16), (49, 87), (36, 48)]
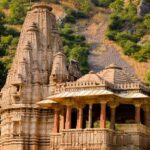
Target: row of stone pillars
[(67, 124)]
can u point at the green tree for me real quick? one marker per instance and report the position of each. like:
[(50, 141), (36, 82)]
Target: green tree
[(3, 72), (81, 55), (18, 11), (131, 12), (130, 48), (102, 3), (4, 4), (84, 5), (117, 6), (75, 46), (2, 18), (115, 22), (144, 53), (124, 36), (147, 21)]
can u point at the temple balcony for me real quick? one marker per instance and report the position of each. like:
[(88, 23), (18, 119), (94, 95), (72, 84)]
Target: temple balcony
[(126, 137)]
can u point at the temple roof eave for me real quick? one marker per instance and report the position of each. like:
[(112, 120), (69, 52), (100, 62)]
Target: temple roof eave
[(47, 103), (65, 95), (87, 96)]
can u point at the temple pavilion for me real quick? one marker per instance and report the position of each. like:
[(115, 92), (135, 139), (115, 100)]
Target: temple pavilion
[(110, 101)]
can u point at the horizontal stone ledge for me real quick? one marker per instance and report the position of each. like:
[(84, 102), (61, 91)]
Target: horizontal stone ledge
[(87, 129)]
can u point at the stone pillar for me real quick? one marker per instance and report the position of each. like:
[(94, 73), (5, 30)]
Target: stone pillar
[(80, 118), (113, 106), (68, 118), (103, 115), (113, 118), (90, 115), (62, 119), (56, 121), (137, 113), (146, 109)]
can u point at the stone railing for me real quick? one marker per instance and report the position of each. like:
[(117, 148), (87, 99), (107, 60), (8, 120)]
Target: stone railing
[(55, 140), (74, 86), (128, 136), (126, 86), (131, 86), (88, 138), (82, 138)]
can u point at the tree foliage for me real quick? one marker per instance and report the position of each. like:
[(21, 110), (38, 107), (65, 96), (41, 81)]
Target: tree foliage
[(102, 3), (75, 47), (8, 42), (18, 11), (127, 30), (84, 5)]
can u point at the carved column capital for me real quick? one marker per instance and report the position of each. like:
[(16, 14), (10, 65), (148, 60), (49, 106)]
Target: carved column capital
[(80, 106), (103, 102), (113, 105), (137, 104), (57, 109)]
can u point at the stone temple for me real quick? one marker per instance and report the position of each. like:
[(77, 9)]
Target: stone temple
[(47, 105)]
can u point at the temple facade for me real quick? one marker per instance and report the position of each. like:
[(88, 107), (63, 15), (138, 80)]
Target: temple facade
[(47, 105)]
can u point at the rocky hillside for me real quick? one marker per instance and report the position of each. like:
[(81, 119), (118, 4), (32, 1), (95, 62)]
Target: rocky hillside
[(105, 30)]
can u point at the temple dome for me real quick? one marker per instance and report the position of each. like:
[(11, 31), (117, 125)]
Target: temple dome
[(116, 75), (90, 77)]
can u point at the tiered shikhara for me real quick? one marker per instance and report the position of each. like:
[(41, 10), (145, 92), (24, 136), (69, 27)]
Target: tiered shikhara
[(39, 63)]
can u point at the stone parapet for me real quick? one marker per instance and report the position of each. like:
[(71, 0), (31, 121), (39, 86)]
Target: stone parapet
[(102, 139), (134, 128)]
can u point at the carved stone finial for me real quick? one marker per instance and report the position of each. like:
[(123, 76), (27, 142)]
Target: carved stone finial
[(43, 5)]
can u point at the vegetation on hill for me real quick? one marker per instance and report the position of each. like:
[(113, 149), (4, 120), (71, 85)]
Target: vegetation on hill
[(127, 29), (84, 5), (8, 43), (75, 47), (102, 3)]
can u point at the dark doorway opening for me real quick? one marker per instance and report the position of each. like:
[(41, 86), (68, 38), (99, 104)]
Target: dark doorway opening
[(125, 113), (74, 118), (96, 115), (85, 116)]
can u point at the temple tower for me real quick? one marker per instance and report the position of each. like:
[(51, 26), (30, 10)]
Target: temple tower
[(39, 57)]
